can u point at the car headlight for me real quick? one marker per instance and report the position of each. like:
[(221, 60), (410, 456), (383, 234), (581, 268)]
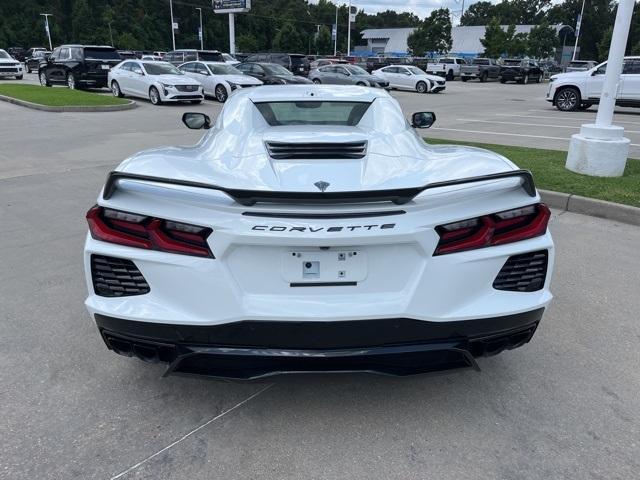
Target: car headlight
[(167, 85), (232, 85), (552, 79)]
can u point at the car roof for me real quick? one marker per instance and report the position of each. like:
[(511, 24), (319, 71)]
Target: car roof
[(182, 50), (317, 93)]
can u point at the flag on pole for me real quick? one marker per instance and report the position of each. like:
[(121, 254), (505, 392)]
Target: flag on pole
[(578, 23), (334, 31)]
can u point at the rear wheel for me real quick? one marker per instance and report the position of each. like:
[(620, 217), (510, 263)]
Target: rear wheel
[(502, 80), (317, 81), (43, 79), (568, 99), (539, 78), (221, 93), (361, 84), (27, 68), (115, 89), (464, 79), (19, 77), (421, 87), (449, 75), (154, 96), (483, 77)]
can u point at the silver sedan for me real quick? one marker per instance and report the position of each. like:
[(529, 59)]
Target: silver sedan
[(346, 75)]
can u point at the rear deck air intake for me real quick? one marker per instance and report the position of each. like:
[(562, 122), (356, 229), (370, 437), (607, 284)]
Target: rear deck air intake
[(304, 151)]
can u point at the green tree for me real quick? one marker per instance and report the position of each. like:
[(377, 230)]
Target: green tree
[(542, 41), (434, 35), (495, 39), (81, 22), (605, 43), (480, 13), (288, 39), (246, 43), (324, 44)]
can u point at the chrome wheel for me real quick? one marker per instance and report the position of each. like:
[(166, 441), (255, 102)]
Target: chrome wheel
[(317, 81), (71, 81), (567, 100), (421, 87), (43, 79), (154, 96), (221, 93), (115, 89)]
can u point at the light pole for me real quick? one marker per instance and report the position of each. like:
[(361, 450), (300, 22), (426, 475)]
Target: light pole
[(600, 149), (579, 23), (173, 25), (111, 33), (335, 38), (200, 32), (349, 32), (46, 27)]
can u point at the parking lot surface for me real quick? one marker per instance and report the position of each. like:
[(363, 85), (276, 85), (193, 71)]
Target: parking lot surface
[(564, 406)]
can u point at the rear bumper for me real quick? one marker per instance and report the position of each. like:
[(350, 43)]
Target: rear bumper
[(253, 349)]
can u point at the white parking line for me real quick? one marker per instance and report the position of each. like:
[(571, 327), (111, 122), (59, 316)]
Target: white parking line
[(560, 118), (574, 127), (484, 132), (171, 445)]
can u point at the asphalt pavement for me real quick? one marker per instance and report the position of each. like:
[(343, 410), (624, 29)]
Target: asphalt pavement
[(564, 406)]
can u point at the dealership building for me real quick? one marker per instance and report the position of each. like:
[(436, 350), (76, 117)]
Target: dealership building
[(466, 40)]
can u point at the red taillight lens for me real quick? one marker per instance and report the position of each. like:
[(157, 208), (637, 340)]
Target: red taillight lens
[(151, 233), (496, 229)]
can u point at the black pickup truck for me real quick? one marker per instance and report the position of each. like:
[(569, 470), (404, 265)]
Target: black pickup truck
[(520, 70), (481, 68)]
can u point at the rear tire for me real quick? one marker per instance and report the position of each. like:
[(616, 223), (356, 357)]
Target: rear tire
[(422, 87), (449, 77), (568, 99), (539, 79), (464, 79), (71, 81), (502, 80), (115, 89), (154, 96), (483, 77), (317, 81), (27, 68), (19, 77), (361, 84)]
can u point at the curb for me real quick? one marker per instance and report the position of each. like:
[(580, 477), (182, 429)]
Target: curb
[(75, 108), (591, 206)]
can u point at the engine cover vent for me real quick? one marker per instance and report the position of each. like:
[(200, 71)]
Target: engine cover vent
[(304, 151)]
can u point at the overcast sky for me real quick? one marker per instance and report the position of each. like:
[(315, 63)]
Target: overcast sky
[(422, 8)]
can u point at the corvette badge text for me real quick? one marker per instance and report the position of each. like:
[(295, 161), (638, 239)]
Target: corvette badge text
[(352, 228)]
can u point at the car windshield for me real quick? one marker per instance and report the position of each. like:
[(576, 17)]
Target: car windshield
[(355, 70), (157, 68), (416, 71), (211, 56), (224, 70), (512, 62), (101, 54), (228, 58), (275, 69), (578, 64), (313, 113), (4, 54)]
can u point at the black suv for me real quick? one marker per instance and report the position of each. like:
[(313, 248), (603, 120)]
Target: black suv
[(78, 66), (178, 57), (34, 57), (294, 62)]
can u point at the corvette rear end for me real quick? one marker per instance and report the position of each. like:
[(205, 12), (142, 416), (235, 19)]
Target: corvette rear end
[(311, 231)]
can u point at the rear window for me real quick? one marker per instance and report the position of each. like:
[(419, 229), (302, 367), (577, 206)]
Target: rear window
[(101, 53), (481, 61), (313, 113), (512, 62), (211, 56), (297, 59)]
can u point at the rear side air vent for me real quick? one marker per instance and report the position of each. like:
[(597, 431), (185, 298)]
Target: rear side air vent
[(116, 277), (523, 273), (302, 151)]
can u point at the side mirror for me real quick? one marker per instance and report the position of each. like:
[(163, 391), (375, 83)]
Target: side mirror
[(423, 119), (196, 121), (203, 72)]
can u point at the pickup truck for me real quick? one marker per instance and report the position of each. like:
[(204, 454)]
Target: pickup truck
[(520, 70), (480, 68), (448, 67)]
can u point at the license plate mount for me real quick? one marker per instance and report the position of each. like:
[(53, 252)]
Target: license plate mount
[(312, 266)]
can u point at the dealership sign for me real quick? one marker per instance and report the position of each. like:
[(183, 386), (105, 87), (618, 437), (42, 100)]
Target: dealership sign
[(231, 6)]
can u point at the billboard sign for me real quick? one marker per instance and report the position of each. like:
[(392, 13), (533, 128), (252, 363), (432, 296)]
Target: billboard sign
[(231, 6)]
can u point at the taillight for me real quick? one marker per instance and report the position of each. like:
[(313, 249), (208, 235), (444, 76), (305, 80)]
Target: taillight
[(495, 229), (133, 230)]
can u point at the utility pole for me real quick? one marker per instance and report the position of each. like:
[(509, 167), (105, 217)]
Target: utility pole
[(600, 149), (335, 37), (111, 33), (579, 23), (349, 32), (200, 32), (46, 27), (173, 25), (317, 35)]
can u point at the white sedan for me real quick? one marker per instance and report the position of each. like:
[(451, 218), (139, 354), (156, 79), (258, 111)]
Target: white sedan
[(158, 81), (218, 79), (407, 77)]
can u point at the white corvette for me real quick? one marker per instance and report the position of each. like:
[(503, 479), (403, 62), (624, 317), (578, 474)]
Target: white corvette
[(218, 79), (407, 77), (158, 81), (312, 229)]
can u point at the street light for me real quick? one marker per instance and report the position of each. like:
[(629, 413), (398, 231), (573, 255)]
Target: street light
[(173, 25), (200, 32), (46, 27), (111, 33)]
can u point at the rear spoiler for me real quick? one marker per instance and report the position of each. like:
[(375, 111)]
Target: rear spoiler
[(399, 196)]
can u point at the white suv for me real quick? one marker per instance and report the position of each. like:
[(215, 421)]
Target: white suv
[(579, 90)]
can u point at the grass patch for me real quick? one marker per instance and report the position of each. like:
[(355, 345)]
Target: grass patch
[(57, 97), (548, 170)]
